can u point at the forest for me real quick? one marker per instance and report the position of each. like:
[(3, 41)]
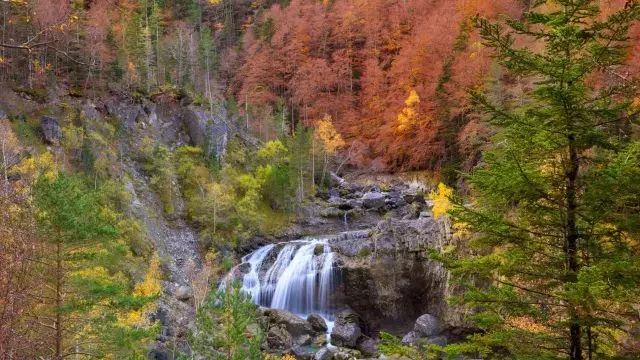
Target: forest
[(320, 179)]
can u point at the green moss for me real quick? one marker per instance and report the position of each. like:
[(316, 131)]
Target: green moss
[(364, 252)]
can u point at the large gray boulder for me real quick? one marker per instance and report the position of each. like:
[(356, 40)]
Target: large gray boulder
[(368, 347), (373, 200), (50, 129), (346, 331), (346, 335), (427, 325), (279, 338), (317, 323), (292, 323)]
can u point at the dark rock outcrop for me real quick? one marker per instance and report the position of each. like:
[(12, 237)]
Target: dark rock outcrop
[(50, 129)]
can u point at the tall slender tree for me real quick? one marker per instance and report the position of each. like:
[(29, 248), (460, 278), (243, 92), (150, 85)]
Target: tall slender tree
[(86, 294), (555, 269)]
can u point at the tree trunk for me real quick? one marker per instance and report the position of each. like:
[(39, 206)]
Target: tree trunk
[(4, 168), (571, 250), (58, 320)]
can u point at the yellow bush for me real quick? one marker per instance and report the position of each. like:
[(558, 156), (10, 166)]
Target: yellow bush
[(441, 200)]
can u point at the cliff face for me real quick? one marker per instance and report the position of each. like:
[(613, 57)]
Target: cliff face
[(386, 275), (392, 282)]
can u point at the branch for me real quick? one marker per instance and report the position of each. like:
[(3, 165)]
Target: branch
[(26, 46), (66, 55)]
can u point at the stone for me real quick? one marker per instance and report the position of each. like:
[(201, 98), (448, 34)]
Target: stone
[(346, 335), (427, 325), (373, 200), (304, 339), (437, 340), (50, 129), (317, 323), (411, 338), (368, 347), (3, 115), (183, 293), (292, 323), (346, 331), (340, 353), (303, 352), (279, 338), (323, 354), (354, 203), (159, 354)]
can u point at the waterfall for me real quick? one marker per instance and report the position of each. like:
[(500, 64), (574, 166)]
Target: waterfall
[(251, 280), (301, 279)]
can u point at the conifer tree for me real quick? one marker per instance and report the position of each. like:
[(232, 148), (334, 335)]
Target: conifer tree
[(86, 299), (227, 327), (555, 267)]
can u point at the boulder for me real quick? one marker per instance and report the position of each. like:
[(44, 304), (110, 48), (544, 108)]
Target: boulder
[(304, 339), (346, 331), (317, 323), (279, 338), (50, 129), (412, 338), (183, 293), (340, 353), (373, 200), (323, 354), (411, 198), (368, 347), (427, 325), (303, 352), (292, 323), (438, 340), (160, 354)]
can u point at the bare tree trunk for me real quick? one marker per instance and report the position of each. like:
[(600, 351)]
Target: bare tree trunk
[(58, 335), (4, 168)]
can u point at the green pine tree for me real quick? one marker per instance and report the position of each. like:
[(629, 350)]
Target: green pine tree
[(554, 269), (86, 297), (227, 327)]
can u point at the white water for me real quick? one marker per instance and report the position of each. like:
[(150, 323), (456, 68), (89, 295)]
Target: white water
[(300, 280)]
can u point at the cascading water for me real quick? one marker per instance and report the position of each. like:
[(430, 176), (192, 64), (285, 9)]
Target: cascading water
[(300, 280)]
